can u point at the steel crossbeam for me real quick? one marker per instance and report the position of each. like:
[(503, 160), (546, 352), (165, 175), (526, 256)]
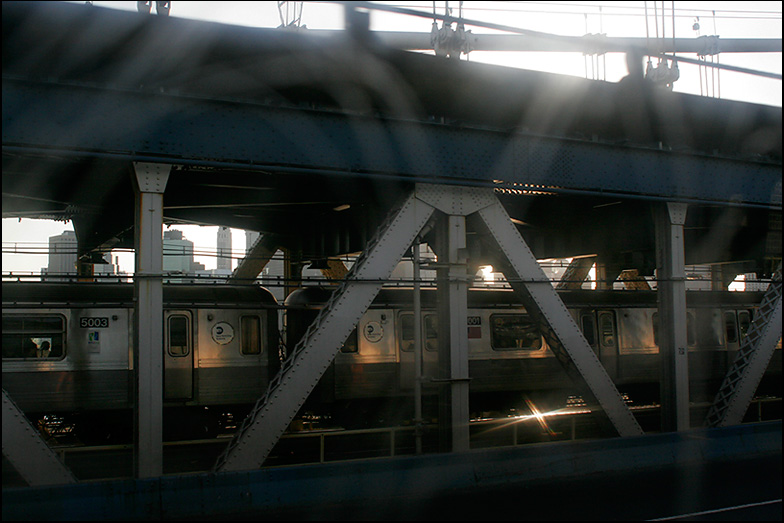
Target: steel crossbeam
[(27, 452), (37, 119)]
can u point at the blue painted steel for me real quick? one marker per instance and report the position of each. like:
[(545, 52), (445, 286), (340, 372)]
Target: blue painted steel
[(407, 478), (75, 119)]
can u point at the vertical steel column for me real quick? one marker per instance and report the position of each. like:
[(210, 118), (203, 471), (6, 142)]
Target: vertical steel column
[(453, 334), (673, 347), (417, 345), (150, 182)]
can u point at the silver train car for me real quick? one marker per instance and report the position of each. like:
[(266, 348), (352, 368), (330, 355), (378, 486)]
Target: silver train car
[(67, 349), (508, 357)]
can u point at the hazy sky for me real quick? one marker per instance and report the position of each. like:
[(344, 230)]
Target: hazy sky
[(616, 19)]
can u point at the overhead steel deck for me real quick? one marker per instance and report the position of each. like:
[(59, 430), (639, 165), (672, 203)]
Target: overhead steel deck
[(264, 128)]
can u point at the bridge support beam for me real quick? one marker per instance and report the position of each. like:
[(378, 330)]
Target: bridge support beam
[(149, 184), (257, 258), (27, 452), (576, 273), (673, 346), (454, 281), (452, 311), (755, 352)]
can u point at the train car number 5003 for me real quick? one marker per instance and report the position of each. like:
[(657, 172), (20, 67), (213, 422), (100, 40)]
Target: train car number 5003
[(93, 323)]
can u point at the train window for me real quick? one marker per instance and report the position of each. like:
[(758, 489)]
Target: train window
[(431, 332), (691, 337), (514, 332), (707, 324), (351, 346), (250, 335), (731, 327), (744, 322), (588, 329), (33, 337), (407, 332), (177, 341), (606, 327)]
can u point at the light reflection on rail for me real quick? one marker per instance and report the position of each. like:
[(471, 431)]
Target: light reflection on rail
[(324, 445)]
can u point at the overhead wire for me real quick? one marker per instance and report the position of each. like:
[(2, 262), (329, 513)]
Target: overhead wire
[(526, 32), (740, 14), (718, 56)]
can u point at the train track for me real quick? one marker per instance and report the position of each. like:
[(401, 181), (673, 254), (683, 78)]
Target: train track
[(311, 444)]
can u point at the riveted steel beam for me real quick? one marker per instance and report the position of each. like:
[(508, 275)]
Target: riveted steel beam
[(140, 126), (26, 451), (149, 183), (671, 293)]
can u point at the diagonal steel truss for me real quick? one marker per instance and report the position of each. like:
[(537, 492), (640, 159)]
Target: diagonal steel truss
[(301, 372), (742, 379), (28, 453)]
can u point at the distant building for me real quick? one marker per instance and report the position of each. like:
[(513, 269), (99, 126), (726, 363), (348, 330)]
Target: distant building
[(224, 249), (62, 254), (177, 252), (62, 260), (178, 259)]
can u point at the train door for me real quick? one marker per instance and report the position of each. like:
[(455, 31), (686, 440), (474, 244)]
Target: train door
[(178, 356), (607, 334), (429, 349), (601, 331)]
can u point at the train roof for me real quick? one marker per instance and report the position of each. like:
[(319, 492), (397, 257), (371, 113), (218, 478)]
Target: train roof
[(314, 297), (122, 294)]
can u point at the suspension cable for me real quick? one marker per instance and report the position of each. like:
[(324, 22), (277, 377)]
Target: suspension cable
[(718, 55)]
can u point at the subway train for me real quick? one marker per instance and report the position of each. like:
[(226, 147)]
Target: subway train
[(220, 349), (509, 359), (67, 350)]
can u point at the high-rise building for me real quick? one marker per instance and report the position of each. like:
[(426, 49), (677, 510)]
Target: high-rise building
[(62, 259), (62, 254), (177, 252), (224, 248)]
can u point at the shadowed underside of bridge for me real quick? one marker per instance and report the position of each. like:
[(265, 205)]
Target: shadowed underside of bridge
[(272, 131)]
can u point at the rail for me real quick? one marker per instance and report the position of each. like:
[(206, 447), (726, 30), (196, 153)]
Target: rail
[(319, 446)]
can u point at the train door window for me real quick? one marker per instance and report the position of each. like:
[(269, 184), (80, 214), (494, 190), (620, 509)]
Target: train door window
[(430, 325), (606, 328), (431, 332), (588, 328), (731, 327), (351, 346), (708, 328), (407, 332), (744, 322), (178, 341), (514, 332), (33, 337), (250, 335)]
